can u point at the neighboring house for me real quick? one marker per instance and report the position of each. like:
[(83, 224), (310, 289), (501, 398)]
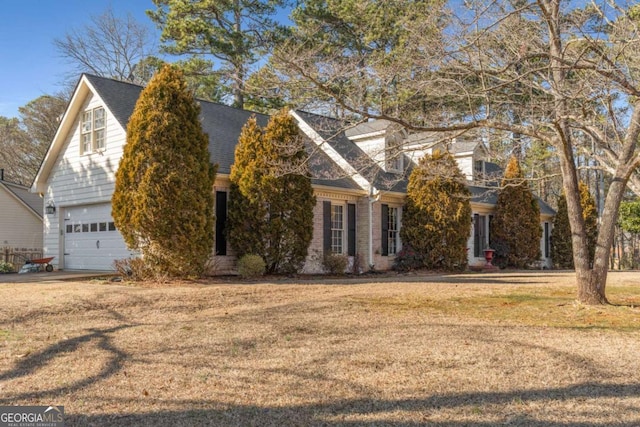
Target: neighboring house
[(359, 177), (20, 221)]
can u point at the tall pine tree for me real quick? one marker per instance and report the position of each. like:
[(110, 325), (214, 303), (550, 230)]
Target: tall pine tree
[(163, 199), (232, 34), (271, 200), (436, 222)]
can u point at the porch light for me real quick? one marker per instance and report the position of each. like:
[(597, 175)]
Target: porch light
[(50, 209)]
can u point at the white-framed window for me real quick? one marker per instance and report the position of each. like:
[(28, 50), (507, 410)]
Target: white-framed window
[(478, 170), (337, 229), (393, 154), (93, 130), (393, 230)]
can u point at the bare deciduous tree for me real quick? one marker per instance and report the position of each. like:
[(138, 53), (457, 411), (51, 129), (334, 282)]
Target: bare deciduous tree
[(552, 71), (109, 47), (24, 141)]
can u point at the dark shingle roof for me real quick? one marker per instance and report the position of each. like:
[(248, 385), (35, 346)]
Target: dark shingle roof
[(119, 97), (221, 123), (489, 195), (545, 209), (367, 127), (32, 200), (463, 146), (332, 131)]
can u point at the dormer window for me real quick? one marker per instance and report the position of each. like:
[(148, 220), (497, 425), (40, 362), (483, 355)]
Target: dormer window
[(93, 130), (478, 170), (393, 152)]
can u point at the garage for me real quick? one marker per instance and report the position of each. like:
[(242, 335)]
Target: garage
[(91, 240)]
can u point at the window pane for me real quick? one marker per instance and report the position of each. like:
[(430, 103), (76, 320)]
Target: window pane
[(85, 228), (86, 142), (98, 118), (336, 217), (99, 135), (86, 122), (112, 226), (336, 241), (393, 231), (94, 226), (77, 228), (103, 226), (337, 226), (69, 228)]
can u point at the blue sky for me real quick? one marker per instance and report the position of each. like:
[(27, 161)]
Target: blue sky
[(30, 66)]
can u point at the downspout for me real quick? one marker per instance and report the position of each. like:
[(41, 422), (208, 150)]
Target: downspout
[(374, 196)]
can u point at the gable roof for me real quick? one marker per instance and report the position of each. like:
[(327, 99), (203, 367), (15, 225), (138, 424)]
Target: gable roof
[(221, 123), (468, 146), (333, 134), (31, 201)]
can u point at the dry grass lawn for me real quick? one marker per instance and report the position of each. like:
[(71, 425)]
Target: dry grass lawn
[(475, 349)]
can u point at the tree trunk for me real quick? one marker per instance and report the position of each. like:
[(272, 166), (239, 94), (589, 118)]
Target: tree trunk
[(238, 61), (590, 281), (591, 289)]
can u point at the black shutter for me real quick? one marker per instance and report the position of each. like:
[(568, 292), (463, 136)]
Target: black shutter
[(546, 240), (385, 230), (351, 229), (490, 228), (476, 235), (326, 227), (221, 223)]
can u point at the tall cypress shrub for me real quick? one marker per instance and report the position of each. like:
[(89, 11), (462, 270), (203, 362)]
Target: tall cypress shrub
[(515, 230), (436, 221), (271, 200), (246, 212), (163, 198), (561, 243), (590, 214)]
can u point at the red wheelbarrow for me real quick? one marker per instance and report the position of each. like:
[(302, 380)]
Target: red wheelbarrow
[(35, 265)]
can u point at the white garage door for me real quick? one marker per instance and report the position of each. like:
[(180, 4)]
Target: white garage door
[(91, 239)]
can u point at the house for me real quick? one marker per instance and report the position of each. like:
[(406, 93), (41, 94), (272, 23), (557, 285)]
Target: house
[(20, 222), (359, 177)]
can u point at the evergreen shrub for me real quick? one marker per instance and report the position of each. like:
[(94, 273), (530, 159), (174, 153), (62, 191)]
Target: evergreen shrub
[(407, 260), (251, 266), (335, 263), (6, 267)]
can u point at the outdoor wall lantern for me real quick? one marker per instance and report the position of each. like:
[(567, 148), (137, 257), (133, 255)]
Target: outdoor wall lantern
[(50, 209)]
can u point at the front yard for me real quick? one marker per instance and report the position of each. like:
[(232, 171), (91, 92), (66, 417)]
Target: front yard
[(475, 349)]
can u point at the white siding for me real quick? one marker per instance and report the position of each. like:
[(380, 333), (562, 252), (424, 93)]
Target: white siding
[(19, 227), (374, 148), (81, 179), (466, 166)]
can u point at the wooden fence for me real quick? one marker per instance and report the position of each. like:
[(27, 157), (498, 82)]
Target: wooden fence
[(18, 256)]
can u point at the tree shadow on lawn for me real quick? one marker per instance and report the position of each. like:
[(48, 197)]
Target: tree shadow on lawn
[(38, 360), (346, 412), (534, 278), (338, 412)]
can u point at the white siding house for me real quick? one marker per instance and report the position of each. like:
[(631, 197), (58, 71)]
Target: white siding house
[(359, 178), (78, 178), (20, 220)]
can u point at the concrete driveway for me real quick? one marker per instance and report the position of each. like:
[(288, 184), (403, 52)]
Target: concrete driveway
[(53, 276)]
